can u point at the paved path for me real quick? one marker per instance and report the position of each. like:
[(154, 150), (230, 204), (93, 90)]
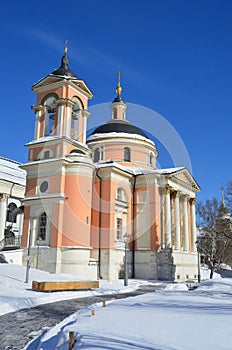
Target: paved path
[(18, 328)]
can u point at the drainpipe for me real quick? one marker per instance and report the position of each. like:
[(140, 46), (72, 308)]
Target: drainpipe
[(133, 226), (100, 223)]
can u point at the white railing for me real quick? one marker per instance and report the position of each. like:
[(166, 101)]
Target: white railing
[(10, 242)]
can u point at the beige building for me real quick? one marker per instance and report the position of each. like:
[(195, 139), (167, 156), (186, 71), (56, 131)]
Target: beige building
[(12, 191)]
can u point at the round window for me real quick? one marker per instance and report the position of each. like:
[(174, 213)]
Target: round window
[(43, 187)]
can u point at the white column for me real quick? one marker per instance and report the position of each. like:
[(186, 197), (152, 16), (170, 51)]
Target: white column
[(33, 229), (75, 129), (68, 121), (162, 241), (46, 118), (59, 128), (84, 129), (85, 115), (193, 224), (59, 121), (20, 224), (186, 228), (37, 124), (38, 112), (168, 237), (177, 221), (3, 207)]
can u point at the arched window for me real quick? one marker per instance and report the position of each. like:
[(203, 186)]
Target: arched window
[(77, 107), (127, 154), (45, 154), (121, 214), (119, 229), (96, 156), (42, 226), (120, 194), (151, 159), (49, 116), (10, 217)]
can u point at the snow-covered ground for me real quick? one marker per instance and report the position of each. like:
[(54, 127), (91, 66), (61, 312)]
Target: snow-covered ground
[(171, 318), (15, 294)]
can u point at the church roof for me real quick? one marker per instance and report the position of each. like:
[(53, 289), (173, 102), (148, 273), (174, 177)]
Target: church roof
[(64, 70), (173, 174), (11, 172), (119, 127)]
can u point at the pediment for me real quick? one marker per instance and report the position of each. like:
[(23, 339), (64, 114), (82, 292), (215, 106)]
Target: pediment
[(184, 178), (45, 81), (58, 81)]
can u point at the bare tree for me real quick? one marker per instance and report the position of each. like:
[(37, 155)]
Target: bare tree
[(215, 239)]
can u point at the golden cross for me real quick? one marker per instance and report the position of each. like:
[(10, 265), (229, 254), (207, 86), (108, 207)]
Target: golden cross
[(66, 46), (119, 75)]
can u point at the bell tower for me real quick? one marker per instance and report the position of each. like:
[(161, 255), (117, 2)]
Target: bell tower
[(59, 175), (62, 102)]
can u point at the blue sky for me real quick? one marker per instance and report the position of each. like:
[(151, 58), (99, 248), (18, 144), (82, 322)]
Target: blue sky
[(175, 57)]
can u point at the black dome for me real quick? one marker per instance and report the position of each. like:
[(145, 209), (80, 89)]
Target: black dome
[(119, 127), (64, 70)]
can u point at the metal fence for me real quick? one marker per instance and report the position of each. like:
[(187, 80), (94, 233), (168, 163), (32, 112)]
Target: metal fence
[(12, 241)]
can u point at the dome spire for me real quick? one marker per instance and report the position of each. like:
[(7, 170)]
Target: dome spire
[(64, 70), (65, 47), (119, 88), (118, 106)]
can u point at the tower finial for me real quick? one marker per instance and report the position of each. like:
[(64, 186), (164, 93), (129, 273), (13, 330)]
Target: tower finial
[(119, 88), (223, 197), (65, 46)]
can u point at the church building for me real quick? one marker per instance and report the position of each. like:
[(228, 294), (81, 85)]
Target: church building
[(86, 195)]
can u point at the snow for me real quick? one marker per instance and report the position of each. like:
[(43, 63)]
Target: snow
[(130, 169), (138, 170), (169, 170), (10, 171), (15, 294), (118, 135), (170, 318)]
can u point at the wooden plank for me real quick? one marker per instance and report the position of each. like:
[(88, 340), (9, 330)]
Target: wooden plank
[(67, 285), (71, 341)]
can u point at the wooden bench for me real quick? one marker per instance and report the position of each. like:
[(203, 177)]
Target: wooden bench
[(67, 285)]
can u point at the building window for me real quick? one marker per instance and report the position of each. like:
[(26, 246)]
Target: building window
[(151, 159), (42, 227), (119, 229), (76, 110), (10, 217), (120, 194), (96, 156), (31, 154), (50, 115), (46, 154), (43, 187), (127, 154)]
